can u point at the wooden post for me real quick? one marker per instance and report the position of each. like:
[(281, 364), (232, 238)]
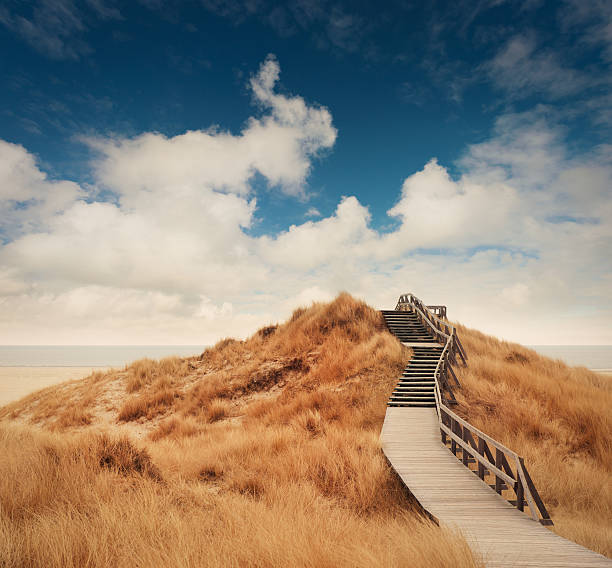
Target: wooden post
[(481, 468), (453, 443), (520, 494), (499, 455), (443, 421)]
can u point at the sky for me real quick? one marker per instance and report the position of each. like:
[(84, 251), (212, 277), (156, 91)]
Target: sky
[(176, 172)]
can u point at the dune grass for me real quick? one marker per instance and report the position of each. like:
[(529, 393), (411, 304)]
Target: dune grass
[(558, 418), (266, 452), (261, 452)]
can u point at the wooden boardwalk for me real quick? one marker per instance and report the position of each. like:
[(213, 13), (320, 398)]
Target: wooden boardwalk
[(457, 498)]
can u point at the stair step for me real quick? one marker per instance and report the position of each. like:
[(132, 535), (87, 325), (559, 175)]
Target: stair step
[(416, 335), (426, 398), (423, 376), (419, 377), (426, 403), (395, 398), (410, 396), (412, 404)]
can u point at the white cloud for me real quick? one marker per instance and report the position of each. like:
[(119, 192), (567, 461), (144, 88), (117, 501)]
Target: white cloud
[(312, 212), (280, 146), (522, 235), (27, 197), (436, 211), (316, 243)]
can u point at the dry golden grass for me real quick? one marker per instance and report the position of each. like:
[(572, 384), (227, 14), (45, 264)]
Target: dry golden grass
[(262, 452), (68, 507), (558, 418)]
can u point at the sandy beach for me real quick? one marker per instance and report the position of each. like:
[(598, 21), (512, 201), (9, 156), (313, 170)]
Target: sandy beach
[(16, 382)]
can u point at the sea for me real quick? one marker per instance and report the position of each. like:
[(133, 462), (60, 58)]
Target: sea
[(596, 357), (27, 368), (88, 355)]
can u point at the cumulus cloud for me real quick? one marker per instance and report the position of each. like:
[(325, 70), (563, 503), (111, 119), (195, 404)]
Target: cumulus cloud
[(28, 199), (508, 243), (182, 202), (320, 242), (279, 146)]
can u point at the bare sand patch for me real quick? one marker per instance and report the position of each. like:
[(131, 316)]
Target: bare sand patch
[(17, 382)]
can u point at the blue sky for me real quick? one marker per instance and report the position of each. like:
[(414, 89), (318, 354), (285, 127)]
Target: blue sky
[(458, 150)]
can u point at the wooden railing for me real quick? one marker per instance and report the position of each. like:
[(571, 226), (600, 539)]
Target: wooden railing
[(441, 329), (439, 311), (445, 334), (474, 446)]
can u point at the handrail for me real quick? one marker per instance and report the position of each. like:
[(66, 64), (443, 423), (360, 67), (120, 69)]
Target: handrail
[(462, 436), (434, 322)]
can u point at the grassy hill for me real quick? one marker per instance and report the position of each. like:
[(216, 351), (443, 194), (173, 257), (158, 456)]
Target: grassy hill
[(263, 452)]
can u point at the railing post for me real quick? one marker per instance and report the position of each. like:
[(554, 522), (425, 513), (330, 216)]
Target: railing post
[(464, 453), (481, 468), (499, 458), (520, 493), (444, 420)]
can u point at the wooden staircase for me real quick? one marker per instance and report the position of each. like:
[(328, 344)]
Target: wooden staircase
[(417, 384), (407, 326)]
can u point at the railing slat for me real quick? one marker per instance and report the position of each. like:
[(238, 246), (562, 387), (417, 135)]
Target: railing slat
[(478, 432), (498, 472), (521, 473)]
